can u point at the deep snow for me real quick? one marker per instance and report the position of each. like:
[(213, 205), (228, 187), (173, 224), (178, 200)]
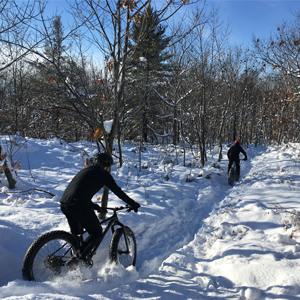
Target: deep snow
[(197, 237)]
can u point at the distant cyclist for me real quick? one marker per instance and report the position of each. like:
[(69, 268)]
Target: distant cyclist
[(233, 156), (76, 201)]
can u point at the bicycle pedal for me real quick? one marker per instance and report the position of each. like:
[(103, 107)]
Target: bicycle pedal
[(73, 263), (88, 263)]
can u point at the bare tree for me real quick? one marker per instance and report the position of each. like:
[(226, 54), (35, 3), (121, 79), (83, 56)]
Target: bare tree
[(108, 24), (207, 50), (279, 54), (281, 49), (17, 29)]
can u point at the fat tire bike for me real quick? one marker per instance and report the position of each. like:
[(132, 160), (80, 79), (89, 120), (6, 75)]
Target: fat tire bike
[(232, 174), (46, 258)]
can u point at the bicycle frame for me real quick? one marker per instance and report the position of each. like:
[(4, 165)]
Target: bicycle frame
[(91, 248), (112, 222), (59, 249)]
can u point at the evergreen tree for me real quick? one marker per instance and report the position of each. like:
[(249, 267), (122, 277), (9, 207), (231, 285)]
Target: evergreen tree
[(146, 71), (51, 110), (54, 47)]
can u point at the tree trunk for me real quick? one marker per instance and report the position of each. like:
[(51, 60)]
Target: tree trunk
[(104, 201), (11, 181)]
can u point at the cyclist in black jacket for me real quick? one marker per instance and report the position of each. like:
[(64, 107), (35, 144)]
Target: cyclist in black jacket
[(233, 156), (76, 201)]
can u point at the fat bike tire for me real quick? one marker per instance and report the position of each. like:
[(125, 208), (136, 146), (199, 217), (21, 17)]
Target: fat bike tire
[(231, 177), (117, 248), (45, 259)]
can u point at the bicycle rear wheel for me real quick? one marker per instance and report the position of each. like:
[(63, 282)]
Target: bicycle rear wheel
[(118, 250), (46, 257), (231, 176)]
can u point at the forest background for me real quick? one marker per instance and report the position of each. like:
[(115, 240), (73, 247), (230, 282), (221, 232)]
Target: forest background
[(126, 70)]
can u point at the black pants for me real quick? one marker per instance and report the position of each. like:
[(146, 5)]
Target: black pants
[(79, 216), (237, 163)]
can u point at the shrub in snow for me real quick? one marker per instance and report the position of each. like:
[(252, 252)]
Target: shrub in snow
[(215, 165), (292, 220), (225, 231), (208, 176), (189, 178)]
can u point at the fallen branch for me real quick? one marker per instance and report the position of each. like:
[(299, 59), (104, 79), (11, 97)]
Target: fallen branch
[(33, 189)]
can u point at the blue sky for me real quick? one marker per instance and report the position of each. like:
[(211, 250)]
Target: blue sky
[(254, 17), (245, 17)]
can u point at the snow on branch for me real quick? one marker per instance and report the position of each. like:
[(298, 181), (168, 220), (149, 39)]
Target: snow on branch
[(166, 101), (158, 134)]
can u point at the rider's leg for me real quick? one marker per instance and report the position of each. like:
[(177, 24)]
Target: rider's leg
[(75, 227), (89, 243), (83, 216), (93, 240), (90, 222), (229, 165)]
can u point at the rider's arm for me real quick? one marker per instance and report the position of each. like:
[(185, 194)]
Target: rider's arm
[(112, 185), (96, 206), (228, 153), (243, 151)]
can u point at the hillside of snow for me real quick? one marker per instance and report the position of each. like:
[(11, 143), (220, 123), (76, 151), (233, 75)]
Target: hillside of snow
[(197, 237)]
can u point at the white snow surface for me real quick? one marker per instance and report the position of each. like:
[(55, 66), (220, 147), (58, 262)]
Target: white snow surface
[(197, 237)]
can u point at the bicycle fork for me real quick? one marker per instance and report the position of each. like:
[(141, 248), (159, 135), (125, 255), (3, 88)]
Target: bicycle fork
[(126, 240), (112, 224)]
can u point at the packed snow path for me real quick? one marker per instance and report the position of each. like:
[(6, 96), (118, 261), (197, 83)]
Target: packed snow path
[(197, 237)]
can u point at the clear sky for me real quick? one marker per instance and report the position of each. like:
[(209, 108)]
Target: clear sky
[(254, 17), (245, 17)]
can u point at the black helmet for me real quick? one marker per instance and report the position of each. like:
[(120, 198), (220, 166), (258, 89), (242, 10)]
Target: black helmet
[(104, 159)]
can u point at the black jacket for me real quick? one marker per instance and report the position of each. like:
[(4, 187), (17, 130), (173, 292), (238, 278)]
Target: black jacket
[(234, 152), (88, 182)]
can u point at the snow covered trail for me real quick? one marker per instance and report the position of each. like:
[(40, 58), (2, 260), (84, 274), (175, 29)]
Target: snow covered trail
[(241, 250), (197, 237)]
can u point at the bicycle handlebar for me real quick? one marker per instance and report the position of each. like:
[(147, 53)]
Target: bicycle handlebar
[(128, 207)]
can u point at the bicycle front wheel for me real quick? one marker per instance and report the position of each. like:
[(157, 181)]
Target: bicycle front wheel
[(46, 257), (119, 253)]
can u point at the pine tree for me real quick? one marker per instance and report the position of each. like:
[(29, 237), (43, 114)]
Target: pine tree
[(51, 111), (54, 47), (147, 68)]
